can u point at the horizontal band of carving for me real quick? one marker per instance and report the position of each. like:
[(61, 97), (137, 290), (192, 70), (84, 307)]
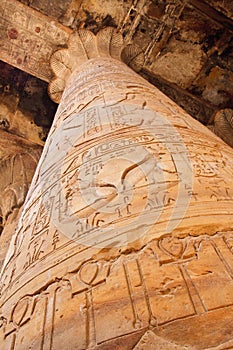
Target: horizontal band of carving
[(166, 284)]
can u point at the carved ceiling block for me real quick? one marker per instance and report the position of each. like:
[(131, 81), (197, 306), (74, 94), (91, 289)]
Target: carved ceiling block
[(28, 38), (18, 161)]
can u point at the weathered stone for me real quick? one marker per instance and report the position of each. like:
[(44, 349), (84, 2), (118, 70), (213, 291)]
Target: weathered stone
[(224, 7), (183, 41), (181, 64), (179, 285), (218, 87), (52, 8), (128, 223), (195, 106), (18, 160), (25, 107), (223, 125), (20, 124)]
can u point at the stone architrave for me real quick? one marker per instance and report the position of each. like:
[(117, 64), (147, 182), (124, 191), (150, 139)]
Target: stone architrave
[(125, 240), (28, 38)]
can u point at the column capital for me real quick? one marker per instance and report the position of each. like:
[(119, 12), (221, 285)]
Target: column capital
[(83, 45)]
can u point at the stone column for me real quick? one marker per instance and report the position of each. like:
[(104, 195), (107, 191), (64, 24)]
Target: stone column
[(18, 161), (126, 238)]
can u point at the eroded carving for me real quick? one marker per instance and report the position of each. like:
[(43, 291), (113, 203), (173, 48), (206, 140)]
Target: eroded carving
[(16, 172), (223, 125), (128, 224), (131, 293), (17, 166)]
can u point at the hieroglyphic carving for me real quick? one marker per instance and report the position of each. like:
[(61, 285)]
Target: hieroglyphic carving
[(170, 279), (211, 165), (116, 117), (17, 166), (116, 236), (28, 38)]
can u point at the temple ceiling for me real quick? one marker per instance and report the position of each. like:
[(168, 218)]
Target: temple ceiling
[(187, 45)]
